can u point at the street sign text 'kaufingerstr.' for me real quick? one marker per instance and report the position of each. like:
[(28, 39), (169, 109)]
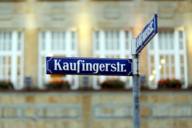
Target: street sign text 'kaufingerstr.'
[(89, 66)]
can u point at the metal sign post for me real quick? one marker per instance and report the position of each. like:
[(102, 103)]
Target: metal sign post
[(136, 87), (149, 31)]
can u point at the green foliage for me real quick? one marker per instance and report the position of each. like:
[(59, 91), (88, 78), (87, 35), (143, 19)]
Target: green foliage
[(113, 84), (169, 84), (6, 85)]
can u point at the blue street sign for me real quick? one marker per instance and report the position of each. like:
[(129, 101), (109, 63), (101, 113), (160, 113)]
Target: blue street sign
[(89, 66), (149, 31)]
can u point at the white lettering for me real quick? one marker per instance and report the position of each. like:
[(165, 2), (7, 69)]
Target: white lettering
[(107, 67), (82, 66), (118, 66), (96, 68), (144, 35), (57, 64), (88, 67), (122, 68), (65, 66), (102, 67), (78, 65), (113, 68), (73, 66)]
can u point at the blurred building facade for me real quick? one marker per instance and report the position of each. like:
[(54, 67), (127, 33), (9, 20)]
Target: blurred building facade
[(30, 30)]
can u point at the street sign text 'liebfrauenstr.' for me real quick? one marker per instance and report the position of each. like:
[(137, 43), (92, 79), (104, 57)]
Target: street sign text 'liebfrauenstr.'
[(149, 31)]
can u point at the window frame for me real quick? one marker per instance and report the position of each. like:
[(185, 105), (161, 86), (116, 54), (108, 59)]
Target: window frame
[(47, 47), (176, 52), (119, 51), (14, 51)]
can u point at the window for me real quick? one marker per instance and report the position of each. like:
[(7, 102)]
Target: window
[(11, 57), (111, 44), (167, 57), (59, 44)]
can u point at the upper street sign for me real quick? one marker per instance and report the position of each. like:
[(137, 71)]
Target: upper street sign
[(89, 66), (149, 31)]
